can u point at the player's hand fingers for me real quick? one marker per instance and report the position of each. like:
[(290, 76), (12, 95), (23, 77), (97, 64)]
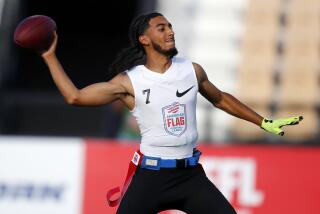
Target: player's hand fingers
[(55, 37), (54, 42), (279, 131), (52, 47), (290, 121)]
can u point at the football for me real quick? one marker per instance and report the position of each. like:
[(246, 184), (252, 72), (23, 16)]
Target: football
[(35, 33)]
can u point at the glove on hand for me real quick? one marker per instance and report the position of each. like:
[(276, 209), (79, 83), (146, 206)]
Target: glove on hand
[(274, 126)]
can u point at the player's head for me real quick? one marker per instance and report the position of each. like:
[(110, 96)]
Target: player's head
[(153, 31), (147, 32)]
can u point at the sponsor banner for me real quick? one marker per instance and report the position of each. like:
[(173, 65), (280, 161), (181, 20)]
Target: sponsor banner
[(68, 176), (255, 179), (106, 167), (41, 175), (266, 179)]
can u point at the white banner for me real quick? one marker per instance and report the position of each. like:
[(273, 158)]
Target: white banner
[(41, 175)]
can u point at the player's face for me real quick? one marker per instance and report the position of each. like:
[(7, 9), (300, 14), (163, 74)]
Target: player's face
[(161, 36)]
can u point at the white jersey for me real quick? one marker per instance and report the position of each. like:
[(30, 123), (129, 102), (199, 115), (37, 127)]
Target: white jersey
[(165, 109)]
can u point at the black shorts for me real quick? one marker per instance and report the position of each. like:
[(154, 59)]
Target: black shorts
[(186, 189)]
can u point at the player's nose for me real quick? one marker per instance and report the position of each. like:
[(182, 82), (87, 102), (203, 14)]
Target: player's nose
[(170, 32)]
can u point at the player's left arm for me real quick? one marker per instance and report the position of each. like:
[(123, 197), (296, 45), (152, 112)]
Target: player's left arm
[(233, 106)]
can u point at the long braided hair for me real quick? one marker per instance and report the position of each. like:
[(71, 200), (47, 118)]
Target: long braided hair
[(134, 54)]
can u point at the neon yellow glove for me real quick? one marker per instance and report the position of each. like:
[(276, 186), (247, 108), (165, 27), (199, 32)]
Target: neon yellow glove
[(274, 126)]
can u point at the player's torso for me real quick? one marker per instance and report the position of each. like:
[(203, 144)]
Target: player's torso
[(165, 105)]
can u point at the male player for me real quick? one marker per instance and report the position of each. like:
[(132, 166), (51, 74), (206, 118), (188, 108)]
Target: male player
[(161, 90)]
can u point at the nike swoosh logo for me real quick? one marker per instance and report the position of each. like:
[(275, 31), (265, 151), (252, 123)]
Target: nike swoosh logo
[(184, 92)]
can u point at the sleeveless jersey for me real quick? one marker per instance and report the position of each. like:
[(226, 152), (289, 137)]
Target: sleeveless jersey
[(165, 109)]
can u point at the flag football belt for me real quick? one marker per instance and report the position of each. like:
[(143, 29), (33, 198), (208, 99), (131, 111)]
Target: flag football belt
[(152, 163)]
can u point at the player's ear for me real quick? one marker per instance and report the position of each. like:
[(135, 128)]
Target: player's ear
[(144, 40)]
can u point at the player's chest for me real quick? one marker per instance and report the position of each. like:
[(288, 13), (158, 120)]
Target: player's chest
[(155, 96)]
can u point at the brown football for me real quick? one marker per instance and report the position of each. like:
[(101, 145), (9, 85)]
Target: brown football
[(35, 32)]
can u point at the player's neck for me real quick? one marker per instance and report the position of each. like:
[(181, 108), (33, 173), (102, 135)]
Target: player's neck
[(158, 63)]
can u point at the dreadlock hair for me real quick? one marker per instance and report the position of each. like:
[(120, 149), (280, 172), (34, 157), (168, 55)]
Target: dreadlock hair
[(133, 55)]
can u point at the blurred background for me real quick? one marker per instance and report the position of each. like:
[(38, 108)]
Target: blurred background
[(266, 53), (263, 52)]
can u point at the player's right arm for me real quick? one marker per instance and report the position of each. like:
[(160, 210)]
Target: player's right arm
[(92, 95)]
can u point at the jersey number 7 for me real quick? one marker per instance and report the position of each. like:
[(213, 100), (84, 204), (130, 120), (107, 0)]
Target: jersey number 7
[(148, 95)]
